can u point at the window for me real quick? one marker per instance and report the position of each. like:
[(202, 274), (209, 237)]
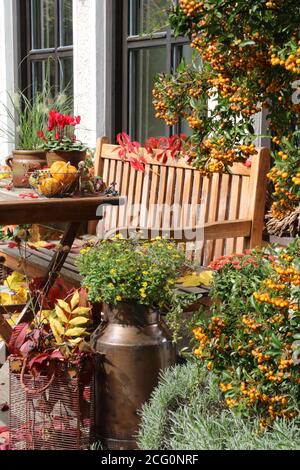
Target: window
[(145, 56), (47, 44)]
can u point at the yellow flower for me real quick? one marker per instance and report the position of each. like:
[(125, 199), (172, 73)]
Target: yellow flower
[(110, 285), (113, 271), (118, 237), (145, 284), (145, 273), (143, 294), (118, 298), (85, 250)]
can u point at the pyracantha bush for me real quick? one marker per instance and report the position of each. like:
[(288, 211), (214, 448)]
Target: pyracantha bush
[(251, 340), (248, 59)]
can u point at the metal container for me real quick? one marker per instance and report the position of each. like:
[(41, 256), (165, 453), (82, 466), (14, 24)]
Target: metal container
[(134, 346)]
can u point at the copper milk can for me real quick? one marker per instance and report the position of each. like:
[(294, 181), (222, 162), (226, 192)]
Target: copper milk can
[(134, 346)]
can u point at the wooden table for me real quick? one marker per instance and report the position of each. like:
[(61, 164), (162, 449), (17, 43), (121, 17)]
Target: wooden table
[(74, 210)]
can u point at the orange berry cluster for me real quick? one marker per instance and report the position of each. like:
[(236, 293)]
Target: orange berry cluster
[(191, 8), (250, 323), (216, 326), (278, 302), (291, 63)]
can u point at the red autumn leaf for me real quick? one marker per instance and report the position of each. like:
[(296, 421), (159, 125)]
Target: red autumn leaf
[(12, 245), (56, 355), (17, 339), (136, 164), (27, 347), (38, 359)]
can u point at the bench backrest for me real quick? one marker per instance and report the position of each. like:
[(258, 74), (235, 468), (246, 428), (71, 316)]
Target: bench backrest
[(237, 196)]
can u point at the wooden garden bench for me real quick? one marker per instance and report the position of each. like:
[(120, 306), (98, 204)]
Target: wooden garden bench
[(228, 209)]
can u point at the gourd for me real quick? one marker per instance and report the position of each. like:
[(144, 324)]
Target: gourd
[(49, 187), (63, 172)]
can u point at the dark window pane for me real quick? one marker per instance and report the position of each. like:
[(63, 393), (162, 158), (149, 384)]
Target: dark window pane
[(43, 23), (144, 65), (66, 75), (42, 71), (146, 16), (66, 23), (186, 53)]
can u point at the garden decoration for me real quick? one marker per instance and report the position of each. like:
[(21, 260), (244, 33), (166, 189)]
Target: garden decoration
[(28, 117), (51, 374), (59, 140), (251, 341), (250, 55), (134, 279)]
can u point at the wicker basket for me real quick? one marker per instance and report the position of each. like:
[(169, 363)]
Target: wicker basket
[(51, 413)]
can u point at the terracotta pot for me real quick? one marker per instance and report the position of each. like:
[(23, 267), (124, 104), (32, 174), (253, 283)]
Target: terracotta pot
[(23, 161), (74, 157), (134, 346)]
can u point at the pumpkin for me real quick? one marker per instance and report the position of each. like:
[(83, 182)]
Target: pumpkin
[(49, 187), (63, 172)]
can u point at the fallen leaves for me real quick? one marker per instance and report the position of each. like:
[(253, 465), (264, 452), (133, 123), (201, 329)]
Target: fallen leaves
[(196, 279)]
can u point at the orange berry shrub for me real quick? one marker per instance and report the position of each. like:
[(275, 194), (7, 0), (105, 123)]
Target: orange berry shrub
[(251, 341), (250, 60)]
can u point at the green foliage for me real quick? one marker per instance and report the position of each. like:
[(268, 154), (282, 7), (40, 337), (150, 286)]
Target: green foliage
[(131, 270), (186, 412), (27, 117)]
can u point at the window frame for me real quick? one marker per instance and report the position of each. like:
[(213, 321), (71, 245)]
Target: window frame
[(135, 43), (29, 55)]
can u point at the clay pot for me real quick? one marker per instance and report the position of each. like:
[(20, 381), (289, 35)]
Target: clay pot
[(23, 161), (134, 346), (74, 157)]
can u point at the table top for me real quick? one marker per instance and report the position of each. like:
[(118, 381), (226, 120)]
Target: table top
[(17, 210)]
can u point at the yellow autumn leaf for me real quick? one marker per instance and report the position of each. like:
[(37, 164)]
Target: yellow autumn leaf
[(55, 333), (75, 341), (15, 281), (46, 315), (79, 321), (75, 331), (195, 279), (64, 305), (75, 300), (81, 311), (61, 314), (57, 325), (20, 297)]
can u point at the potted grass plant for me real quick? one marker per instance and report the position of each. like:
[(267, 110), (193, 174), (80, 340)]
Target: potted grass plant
[(26, 117)]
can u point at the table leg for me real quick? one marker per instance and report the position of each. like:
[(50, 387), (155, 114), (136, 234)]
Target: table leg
[(61, 255), (53, 270)]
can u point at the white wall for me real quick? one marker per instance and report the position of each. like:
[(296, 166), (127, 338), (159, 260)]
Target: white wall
[(92, 83), (8, 62)]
